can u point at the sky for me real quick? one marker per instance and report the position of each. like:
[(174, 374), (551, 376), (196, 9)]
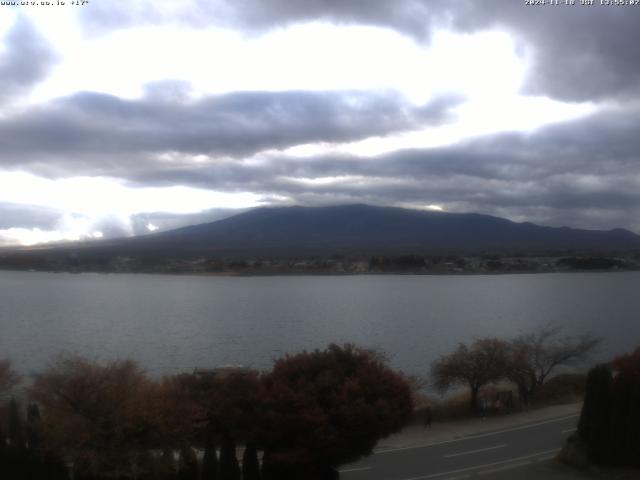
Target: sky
[(124, 118)]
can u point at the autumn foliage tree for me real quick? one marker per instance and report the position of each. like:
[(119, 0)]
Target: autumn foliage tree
[(94, 414), (326, 408), (313, 412), (170, 412), (220, 406), (225, 401), (609, 424), (484, 361), (21, 454)]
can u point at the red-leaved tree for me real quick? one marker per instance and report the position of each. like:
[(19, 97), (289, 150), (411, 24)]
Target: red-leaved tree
[(329, 407)]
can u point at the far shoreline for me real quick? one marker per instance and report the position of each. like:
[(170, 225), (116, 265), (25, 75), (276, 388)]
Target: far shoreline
[(236, 274)]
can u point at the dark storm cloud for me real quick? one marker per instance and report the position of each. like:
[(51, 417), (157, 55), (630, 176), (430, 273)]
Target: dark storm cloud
[(97, 132), (26, 60), (579, 52)]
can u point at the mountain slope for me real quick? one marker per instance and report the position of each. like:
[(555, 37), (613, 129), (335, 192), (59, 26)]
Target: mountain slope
[(357, 229)]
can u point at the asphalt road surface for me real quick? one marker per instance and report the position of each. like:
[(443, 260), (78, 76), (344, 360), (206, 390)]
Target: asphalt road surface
[(488, 455)]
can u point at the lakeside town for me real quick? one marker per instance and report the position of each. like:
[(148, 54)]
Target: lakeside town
[(334, 265)]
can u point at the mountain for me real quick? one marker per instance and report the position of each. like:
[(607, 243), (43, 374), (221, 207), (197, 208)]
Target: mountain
[(355, 229)]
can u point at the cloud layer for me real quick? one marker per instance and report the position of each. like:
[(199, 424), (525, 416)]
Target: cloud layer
[(578, 52), (26, 60), (283, 146), (87, 127)]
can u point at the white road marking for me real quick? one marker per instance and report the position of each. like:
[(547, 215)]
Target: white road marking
[(358, 469), (475, 451), (569, 430), (480, 435), (486, 465)]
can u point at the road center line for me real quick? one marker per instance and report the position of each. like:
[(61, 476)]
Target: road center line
[(486, 465), (469, 452), (480, 435)]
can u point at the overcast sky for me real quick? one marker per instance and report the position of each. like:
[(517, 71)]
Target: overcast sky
[(120, 118)]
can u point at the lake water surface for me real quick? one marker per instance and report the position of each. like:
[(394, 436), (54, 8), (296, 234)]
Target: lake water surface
[(176, 323)]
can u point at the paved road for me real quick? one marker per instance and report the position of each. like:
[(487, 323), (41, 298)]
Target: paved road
[(487, 455)]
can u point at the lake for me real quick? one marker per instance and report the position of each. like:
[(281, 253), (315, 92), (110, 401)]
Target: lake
[(176, 323)]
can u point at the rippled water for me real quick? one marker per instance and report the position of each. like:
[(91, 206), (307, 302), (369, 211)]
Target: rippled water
[(176, 323)]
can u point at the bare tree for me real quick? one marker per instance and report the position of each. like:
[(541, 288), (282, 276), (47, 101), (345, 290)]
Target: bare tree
[(485, 361), (536, 355)]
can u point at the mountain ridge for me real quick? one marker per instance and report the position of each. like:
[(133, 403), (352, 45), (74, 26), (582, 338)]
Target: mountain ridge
[(356, 229)]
